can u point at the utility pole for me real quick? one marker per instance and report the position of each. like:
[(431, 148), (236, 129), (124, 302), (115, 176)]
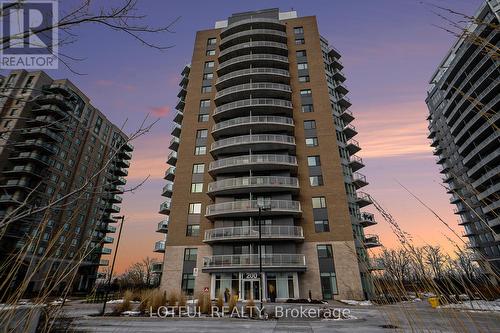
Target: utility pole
[(122, 218), (261, 207)]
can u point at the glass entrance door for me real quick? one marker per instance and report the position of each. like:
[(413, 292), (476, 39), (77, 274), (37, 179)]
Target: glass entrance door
[(251, 290)]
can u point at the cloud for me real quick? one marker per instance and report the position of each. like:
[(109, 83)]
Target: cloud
[(160, 111)]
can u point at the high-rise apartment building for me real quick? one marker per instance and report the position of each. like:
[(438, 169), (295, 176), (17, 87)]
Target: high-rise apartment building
[(53, 143), (463, 100), (263, 136)]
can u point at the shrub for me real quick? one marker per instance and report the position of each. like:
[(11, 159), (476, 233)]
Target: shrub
[(204, 303), (233, 300), (220, 302), (173, 299), (250, 308), (145, 300), (126, 305), (157, 299)]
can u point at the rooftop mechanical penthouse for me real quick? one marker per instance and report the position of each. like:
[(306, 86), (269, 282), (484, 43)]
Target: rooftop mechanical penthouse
[(264, 135)]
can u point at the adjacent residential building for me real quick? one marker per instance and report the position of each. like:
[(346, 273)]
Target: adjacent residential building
[(54, 143), (263, 136), (463, 100)]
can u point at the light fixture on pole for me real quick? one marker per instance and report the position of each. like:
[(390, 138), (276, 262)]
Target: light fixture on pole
[(262, 206)]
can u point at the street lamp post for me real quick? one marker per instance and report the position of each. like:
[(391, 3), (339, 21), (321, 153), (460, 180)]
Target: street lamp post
[(122, 218)]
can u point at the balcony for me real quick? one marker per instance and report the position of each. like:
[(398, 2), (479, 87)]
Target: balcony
[(254, 22), (253, 34), (352, 146), (168, 190), (251, 208), (253, 184), (118, 180), (110, 228), (165, 207), (258, 106), (159, 247), (49, 110), (256, 124), (176, 130), (257, 142), (253, 47), (21, 183), (338, 75), (172, 158), (105, 250), (108, 240), (128, 146), (170, 174), (344, 102), (249, 233), (55, 99), (337, 64), (347, 116), (35, 157), (341, 88), (42, 131), (120, 171), (367, 219), (257, 74), (112, 208), (174, 143), (253, 90), (24, 169), (115, 198), (359, 180), (122, 163), (363, 199), (103, 262), (125, 154), (371, 241), (255, 60), (180, 104), (179, 115), (376, 265), (256, 162), (157, 268), (163, 226), (270, 262), (356, 163), (36, 143), (349, 131)]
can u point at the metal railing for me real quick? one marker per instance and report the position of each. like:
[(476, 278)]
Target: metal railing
[(159, 246), (267, 232), (242, 182), (251, 20), (240, 46), (252, 260), (253, 32), (253, 120), (253, 86), (249, 71), (170, 171), (253, 138), (249, 57), (165, 206), (253, 159), (252, 206)]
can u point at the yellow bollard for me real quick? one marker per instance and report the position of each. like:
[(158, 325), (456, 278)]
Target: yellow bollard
[(433, 301)]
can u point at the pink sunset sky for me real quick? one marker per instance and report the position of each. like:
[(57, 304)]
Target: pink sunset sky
[(390, 49)]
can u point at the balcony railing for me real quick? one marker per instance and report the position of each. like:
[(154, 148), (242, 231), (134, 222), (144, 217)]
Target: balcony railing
[(276, 45), (253, 71), (163, 226), (170, 173), (256, 102), (165, 207), (371, 241), (253, 139), (367, 219), (292, 261), (252, 182), (253, 32), (282, 160), (251, 57), (252, 206), (252, 87), (252, 232), (167, 189), (244, 121), (159, 246)]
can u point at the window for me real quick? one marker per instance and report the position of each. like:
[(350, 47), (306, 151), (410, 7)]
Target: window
[(328, 284), (203, 118), (312, 142), (298, 30), (196, 187), (204, 103), (201, 134), (309, 124), (200, 150), (316, 180), (299, 41), (195, 208), (302, 65), (188, 283), (305, 92), (210, 52), (211, 41), (209, 64), (313, 161), (198, 168), (321, 226), (193, 230), (208, 76), (301, 53), (206, 89), (318, 202), (190, 254), (324, 251), (307, 108), (304, 78)]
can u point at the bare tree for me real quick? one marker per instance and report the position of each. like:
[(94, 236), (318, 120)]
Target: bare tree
[(435, 260)]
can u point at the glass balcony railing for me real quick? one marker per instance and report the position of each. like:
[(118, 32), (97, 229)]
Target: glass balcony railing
[(253, 71), (165, 207), (260, 44), (252, 232), (251, 207), (297, 261), (159, 246), (253, 87), (251, 32), (170, 173), (253, 139), (163, 226), (237, 161), (252, 182), (253, 57), (244, 121), (371, 241)]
